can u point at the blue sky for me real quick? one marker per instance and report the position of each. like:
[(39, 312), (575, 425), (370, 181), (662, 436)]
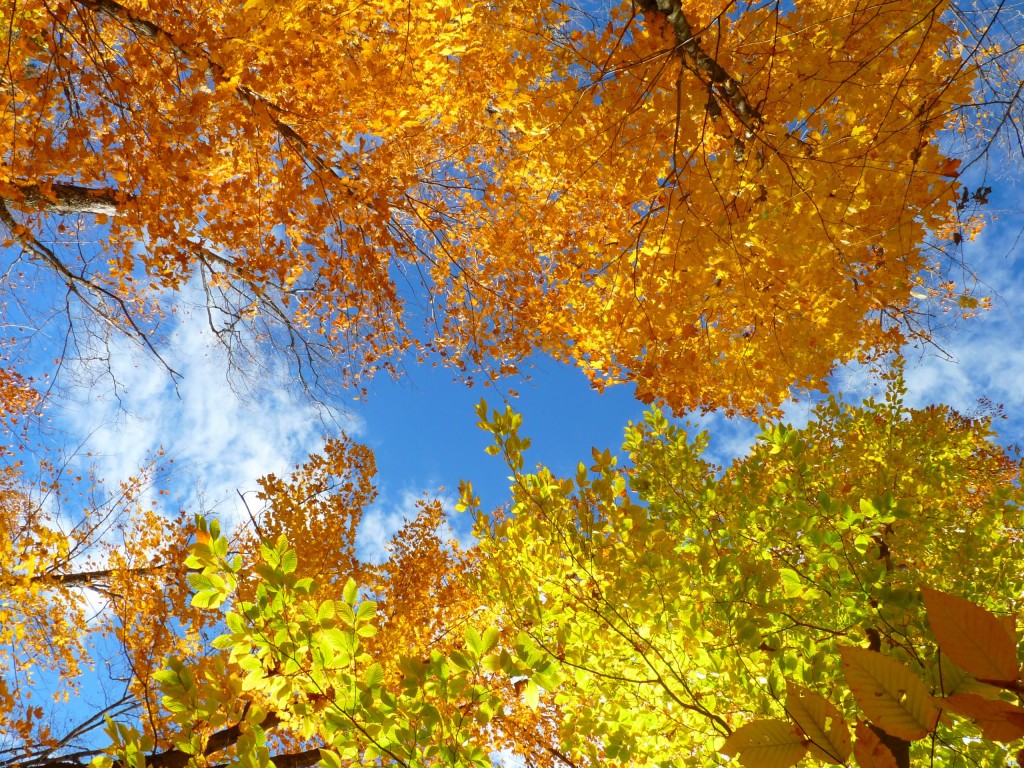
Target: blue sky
[(423, 427)]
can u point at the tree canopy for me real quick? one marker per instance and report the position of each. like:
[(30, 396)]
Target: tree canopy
[(715, 202), (686, 606)]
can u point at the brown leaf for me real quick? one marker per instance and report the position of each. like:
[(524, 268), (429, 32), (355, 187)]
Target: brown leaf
[(870, 751), (971, 636), (998, 720)]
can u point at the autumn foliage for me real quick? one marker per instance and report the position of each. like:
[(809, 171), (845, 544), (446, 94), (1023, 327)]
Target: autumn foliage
[(693, 611), (714, 202)]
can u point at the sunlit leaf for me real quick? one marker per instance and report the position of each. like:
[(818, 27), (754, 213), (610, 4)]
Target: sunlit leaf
[(765, 744), (889, 693), (973, 637), (821, 722), (998, 720)]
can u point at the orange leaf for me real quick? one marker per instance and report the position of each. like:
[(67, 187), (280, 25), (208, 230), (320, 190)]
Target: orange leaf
[(950, 168), (870, 751), (766, 744), (892, 696), (821, 722), (971, 636), (998, 720)]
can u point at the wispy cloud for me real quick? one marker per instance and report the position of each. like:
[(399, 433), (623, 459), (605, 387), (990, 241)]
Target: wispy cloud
[(981, 358), (386, 517), (220, 441)]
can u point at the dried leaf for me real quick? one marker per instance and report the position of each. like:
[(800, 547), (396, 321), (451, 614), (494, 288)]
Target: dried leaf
[(870, 751), (971, 636), (998, 720)]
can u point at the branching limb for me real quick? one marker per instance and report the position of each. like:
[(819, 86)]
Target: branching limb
[(98, 298), (68, 198), (722, 87)]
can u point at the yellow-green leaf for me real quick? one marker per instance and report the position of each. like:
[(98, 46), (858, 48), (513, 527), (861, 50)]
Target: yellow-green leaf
[(821, 722)]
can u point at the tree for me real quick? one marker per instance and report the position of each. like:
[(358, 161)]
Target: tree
[(88, 577), (691, 611), (675, 196), (855, 576), (97, 602), (298, 669), (715, 202)]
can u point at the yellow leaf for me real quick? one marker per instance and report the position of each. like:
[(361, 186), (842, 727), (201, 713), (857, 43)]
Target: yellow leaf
[(765, 744), (892, 696), (821, 722)]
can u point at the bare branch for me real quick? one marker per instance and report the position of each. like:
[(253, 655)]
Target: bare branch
[(68, 198), (106, 304)]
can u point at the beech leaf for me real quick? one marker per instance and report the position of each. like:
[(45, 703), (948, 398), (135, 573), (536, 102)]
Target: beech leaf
[(998, 720), (889, 693), (870, 751), (971, 636), (821, 722), (765, 744)]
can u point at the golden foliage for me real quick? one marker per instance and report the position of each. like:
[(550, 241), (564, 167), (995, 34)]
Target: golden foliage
[(715, 205)]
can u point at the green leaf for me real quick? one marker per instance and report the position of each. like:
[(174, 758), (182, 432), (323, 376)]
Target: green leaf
[(326, 611), (345, 614), (198, 581), (531, 694), (329, 758), (167, 677), (289, 561), (334, 640), (792, 584), (350, 592), (208, 598), (367, 610), (473, 641), (490, 639), (235, 622), (460, 660), (374, 676), (269, 556)]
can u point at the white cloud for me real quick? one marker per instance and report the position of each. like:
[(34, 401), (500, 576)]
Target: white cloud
[(220, 441), (973, 359), (386, 517)]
